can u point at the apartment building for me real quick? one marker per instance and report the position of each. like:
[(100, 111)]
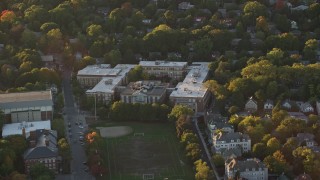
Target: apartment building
[(144, 92), (231, 140), (252, 169), (27, 106), (191, 92), (174, 70)]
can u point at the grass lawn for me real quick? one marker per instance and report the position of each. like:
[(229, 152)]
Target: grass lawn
[(157, 152)]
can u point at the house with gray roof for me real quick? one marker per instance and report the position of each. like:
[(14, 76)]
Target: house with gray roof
[(252, 169), (215, 123), (27, 106), (231, 140), (144, 92), (43, 149)]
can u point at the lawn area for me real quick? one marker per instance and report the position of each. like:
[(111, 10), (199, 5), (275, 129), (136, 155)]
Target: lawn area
[(154, 152)]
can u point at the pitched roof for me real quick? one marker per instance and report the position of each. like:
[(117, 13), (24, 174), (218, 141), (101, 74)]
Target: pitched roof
[(250, 164), (39, 152), (232, 136)]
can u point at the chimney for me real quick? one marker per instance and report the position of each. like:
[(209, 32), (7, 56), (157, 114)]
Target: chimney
[(33, 135), (24, 132)]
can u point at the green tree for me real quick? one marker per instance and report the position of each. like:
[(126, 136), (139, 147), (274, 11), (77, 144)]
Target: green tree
[(46, 27), (217, 89), (259, 150), (255, 9), (58, 125), (202, 170), (188, 137), (38, 171), (94, 31), (276, 163), (218, 160), (273, 145), (275, 56), (137, 74), (193, 151), (180, 110)]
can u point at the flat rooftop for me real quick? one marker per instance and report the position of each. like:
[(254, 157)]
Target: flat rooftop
[(192, 85), (162, 63), (99, 70), (107, 84), (152, 88), (16, 128), (25, 96)]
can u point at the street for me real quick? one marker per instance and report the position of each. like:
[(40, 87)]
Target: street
[(73, 131)]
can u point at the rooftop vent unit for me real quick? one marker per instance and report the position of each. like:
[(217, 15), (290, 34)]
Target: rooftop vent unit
[(157, 63)]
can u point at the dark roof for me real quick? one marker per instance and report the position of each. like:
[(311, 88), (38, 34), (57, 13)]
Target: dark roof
[(249, 164), (39, 152), (42, 148)]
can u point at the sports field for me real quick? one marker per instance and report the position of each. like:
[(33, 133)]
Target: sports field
[(150, 152)]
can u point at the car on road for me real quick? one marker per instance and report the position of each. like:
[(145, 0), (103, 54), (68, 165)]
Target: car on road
[(80, 133), (86, 169), (76, 123), (81, 127), (85, 162), (82, 144)]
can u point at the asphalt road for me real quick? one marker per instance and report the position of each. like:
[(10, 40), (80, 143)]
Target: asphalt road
[(72, 116)]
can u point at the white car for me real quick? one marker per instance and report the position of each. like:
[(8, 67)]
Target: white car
[(81, 127)]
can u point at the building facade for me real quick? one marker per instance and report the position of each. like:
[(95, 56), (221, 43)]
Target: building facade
[(231, 140), (175, 70), (27, 106), (144, 92), (107, 88), (191, 92), (252, 169), (43, 149), (93, 74)]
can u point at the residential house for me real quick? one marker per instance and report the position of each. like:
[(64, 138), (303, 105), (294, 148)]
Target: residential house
[(252, 169), (251, 105), (144, 92), (306, 139), (298, 115), (48, 61), (27, 106), (175, 70), (191, 92), (43, 149), (216, 123), (268, 106), (231, 140), (107, 88), (305, 107)]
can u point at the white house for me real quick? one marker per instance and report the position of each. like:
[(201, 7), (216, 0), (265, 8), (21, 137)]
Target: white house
[(252, 169), (305, 107), (231, 140)]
